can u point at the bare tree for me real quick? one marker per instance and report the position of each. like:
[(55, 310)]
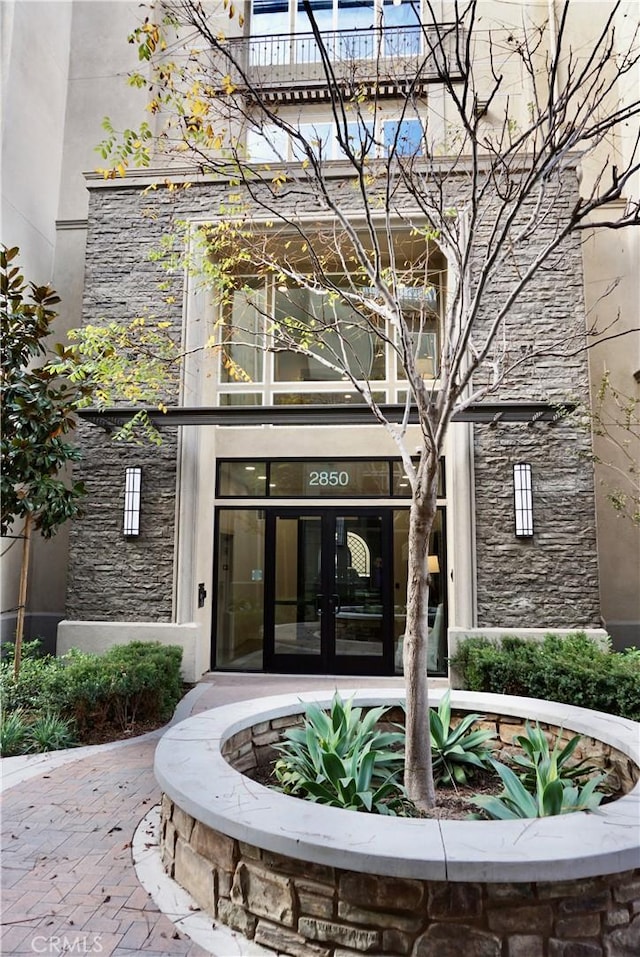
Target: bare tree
[(417, 236)]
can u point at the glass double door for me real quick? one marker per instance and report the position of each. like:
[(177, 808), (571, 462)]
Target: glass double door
[(328, 591)]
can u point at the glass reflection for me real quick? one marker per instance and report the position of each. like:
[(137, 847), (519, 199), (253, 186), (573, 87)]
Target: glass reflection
[(240, 589)]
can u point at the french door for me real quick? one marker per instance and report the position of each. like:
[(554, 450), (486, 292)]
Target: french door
[(328, 591)]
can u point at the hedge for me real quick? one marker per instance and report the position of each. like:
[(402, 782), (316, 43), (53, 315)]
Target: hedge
[(129, 684), (572, 669)]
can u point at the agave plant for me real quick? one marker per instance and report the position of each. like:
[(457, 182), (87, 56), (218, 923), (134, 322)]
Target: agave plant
[(343, 759), (458, 751), (537, 758), (551, 796)]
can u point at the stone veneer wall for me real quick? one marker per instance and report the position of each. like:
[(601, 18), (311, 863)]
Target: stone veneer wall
[(309, 910), (111, 577), (548, 581)]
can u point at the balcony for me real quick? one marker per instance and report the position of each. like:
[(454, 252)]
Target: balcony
[(289, 68)]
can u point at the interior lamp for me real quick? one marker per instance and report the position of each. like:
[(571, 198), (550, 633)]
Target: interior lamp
[(433, 565)]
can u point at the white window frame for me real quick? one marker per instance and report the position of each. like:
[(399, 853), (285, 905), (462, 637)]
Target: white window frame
[(392, 386)]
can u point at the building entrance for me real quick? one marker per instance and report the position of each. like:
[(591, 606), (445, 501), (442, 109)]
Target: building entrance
[(318, 586), (329, 591)]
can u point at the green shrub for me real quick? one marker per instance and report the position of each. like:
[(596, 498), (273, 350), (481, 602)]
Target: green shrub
[(50, 732), (14, 733), (130, 684), (342, 759), (573, 670)]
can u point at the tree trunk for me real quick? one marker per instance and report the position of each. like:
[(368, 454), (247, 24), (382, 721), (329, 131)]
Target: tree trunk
[(22, 593), (418, 764)]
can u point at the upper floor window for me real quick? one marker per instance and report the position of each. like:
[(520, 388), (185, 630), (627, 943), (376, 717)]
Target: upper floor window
[(270, 17), (404, 137)]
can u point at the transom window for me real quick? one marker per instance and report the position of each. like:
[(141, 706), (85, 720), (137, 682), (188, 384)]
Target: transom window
[(315, 478)]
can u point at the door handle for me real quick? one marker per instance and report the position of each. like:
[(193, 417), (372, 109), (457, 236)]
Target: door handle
[(318, 605), (335, 600)]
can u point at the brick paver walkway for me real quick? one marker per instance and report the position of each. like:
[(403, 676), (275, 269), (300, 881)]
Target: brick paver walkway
[(69, 884), (68, 879)]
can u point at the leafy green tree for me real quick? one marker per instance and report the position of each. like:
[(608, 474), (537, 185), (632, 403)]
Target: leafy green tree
[(37, 412)]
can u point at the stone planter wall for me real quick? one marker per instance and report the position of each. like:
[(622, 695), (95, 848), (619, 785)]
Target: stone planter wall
[(309, 881), (311, 910)]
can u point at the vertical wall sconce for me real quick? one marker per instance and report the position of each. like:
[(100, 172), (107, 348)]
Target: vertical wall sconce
[(132, 488), (523, 500)]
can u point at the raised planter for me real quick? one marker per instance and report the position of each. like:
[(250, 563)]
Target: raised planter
[(310, 880)]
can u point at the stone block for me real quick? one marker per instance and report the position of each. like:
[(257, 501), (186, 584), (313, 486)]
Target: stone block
[(585, 925), (452, 900), (584, 905), (282, 940), (455, 940), (225, 883), (590, 887), (525, 945), (169, 840), (574, 948), (196, 875), (627, 892), (183, 822), (347, 952), (382, 919), (395, 942), (261, 728), (363, 941), (288, 721), (166, 807), (315, 899), (510, 892), (244, 763), (517, 920), (217, 848), (266, 738), (249, 851), (390, 893), (236, 917), (623, 942), (264, 893), (294, 867), (617, 917)]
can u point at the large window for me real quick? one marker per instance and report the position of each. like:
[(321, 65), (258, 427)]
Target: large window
[(342, 339)]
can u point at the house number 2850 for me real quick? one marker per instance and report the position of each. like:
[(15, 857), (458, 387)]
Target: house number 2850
[(328, 478)]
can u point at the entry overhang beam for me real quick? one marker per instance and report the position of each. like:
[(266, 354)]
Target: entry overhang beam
[(318, 415)]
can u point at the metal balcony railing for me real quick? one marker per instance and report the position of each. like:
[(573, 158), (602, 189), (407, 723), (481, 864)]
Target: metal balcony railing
[(386, 57)]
